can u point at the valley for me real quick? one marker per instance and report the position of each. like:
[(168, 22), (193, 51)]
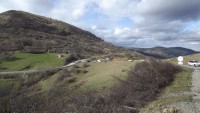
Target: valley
[(49, 66)]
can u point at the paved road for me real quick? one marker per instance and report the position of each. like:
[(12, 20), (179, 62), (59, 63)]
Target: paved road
[(34, 71)]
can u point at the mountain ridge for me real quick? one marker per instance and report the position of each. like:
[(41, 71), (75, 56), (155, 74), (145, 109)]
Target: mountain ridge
[(165, 52)]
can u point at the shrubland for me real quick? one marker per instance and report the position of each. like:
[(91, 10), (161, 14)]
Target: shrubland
[(143, 84)]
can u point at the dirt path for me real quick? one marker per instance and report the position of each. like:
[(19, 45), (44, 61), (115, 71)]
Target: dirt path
[(196, 89)]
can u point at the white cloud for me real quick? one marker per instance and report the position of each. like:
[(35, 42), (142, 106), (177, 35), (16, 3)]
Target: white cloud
[(118, 8), (169, 9), (194, 43), (69, 11), (125, 32), (93, 27)]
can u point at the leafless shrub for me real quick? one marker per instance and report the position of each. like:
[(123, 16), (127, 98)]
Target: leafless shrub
[(5, 105), (85, 65), (63, 73), (71, 79), (84, 71), (26, 104), (144, 83), (71, 58), (76, 66), (75, 69), (92, 102)]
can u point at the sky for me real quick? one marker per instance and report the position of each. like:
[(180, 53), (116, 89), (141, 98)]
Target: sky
[(129, 23)]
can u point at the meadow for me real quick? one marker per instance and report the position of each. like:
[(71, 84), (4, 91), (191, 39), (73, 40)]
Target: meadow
[(29, 61)]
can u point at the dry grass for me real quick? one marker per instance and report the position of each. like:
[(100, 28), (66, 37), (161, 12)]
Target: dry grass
[(143, 84), (101, 75)]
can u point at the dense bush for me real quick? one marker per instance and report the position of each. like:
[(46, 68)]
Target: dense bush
[(5, 105), (63, 73), (144, 83), (71, 58), (85, 65)]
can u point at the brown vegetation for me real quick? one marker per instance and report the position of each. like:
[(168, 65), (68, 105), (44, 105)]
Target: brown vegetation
[(144, 83)]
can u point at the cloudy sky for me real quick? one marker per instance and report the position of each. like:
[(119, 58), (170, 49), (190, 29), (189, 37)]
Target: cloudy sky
[(130, 23)]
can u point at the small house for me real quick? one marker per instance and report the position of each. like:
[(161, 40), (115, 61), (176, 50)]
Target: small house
[(130, 60), (60, 56)]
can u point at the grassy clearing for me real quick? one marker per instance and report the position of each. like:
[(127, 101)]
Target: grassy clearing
[(186, 58), (101, 75), (26, 61), (181, 83)]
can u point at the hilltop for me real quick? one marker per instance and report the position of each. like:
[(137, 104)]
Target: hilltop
[(23, 31), (162, 52)]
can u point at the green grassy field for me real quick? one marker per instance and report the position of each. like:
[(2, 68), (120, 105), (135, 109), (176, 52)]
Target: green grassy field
[(181, 83), (26, 61), (102, 75)]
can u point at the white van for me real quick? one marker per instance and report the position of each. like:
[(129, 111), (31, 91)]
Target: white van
[(194, 63)]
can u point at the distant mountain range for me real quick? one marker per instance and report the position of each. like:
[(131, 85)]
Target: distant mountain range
[(23, 31), (162, 52)]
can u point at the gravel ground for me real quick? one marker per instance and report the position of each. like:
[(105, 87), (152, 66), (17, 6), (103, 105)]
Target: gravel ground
[(188, 107), (182, 107), (194, 106), (196, 88)]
